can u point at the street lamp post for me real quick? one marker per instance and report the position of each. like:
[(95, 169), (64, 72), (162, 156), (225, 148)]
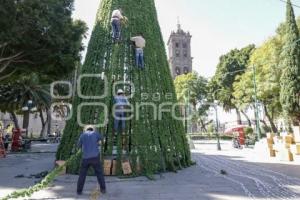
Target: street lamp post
[(185, 118), (29, 107), (187, 112), (217, 126), (256, 105)]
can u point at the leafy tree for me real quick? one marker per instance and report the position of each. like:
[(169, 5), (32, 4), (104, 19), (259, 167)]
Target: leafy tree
[(17, 94), (230, 66), (155, 145), (191, 85), (290, 63), (265, 59), (195, 88), (39, 36)]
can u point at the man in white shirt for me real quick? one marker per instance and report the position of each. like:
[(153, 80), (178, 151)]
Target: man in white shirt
[(116, 24), (140, 44)]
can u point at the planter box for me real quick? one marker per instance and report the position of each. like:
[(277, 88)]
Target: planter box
[(272, 153), (295, 149), (296, 130), (286, 155)]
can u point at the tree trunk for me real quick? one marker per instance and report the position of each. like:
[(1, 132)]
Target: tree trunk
[(14, 118), (26, 121), (239, 118), (203, 126), (42, 133), (49, 120), (264, 122), (273, 126), (248, 119)]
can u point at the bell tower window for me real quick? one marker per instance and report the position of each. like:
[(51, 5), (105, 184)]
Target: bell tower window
[(186, 70), (178, 71), (185, 54)]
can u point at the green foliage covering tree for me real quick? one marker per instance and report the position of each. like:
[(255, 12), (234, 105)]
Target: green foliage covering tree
[(290, 63), (39, 36), (155, 145)]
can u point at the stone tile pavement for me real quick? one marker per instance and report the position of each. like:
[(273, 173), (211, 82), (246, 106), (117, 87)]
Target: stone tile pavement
[(246, 178)]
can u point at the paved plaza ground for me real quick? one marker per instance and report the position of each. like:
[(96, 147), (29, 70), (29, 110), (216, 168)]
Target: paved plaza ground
[(249, 176)]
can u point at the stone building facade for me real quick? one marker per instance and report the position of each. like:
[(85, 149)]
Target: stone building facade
[(179, 47)]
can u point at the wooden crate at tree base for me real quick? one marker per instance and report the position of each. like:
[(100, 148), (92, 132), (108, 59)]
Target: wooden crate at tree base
[(107, 167), (126, 168), (107, 171), (59, 163)]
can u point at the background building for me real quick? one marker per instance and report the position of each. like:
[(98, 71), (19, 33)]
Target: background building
[(180, 59)]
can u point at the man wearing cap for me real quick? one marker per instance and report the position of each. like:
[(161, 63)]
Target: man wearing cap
[(116, 18), (140, 44), (120, 103), (89, 143)]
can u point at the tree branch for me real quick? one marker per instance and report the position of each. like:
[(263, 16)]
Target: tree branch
[(7, 75)]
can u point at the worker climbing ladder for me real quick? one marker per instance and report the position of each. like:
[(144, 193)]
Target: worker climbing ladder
[(2, 148)]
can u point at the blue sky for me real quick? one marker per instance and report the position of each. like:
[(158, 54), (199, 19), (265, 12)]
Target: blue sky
[(216, 25)]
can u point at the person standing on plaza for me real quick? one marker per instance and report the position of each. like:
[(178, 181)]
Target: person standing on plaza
[(89, 143)]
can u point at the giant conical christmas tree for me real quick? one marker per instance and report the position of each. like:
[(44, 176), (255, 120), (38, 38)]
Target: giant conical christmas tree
[(154, 144)]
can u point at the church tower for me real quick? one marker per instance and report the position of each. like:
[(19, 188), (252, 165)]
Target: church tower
[(180, 59)]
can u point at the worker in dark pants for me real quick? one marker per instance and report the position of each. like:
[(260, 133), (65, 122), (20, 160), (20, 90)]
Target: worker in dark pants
[(116, 22), (140, 44), (89, 143), (120, 103)]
